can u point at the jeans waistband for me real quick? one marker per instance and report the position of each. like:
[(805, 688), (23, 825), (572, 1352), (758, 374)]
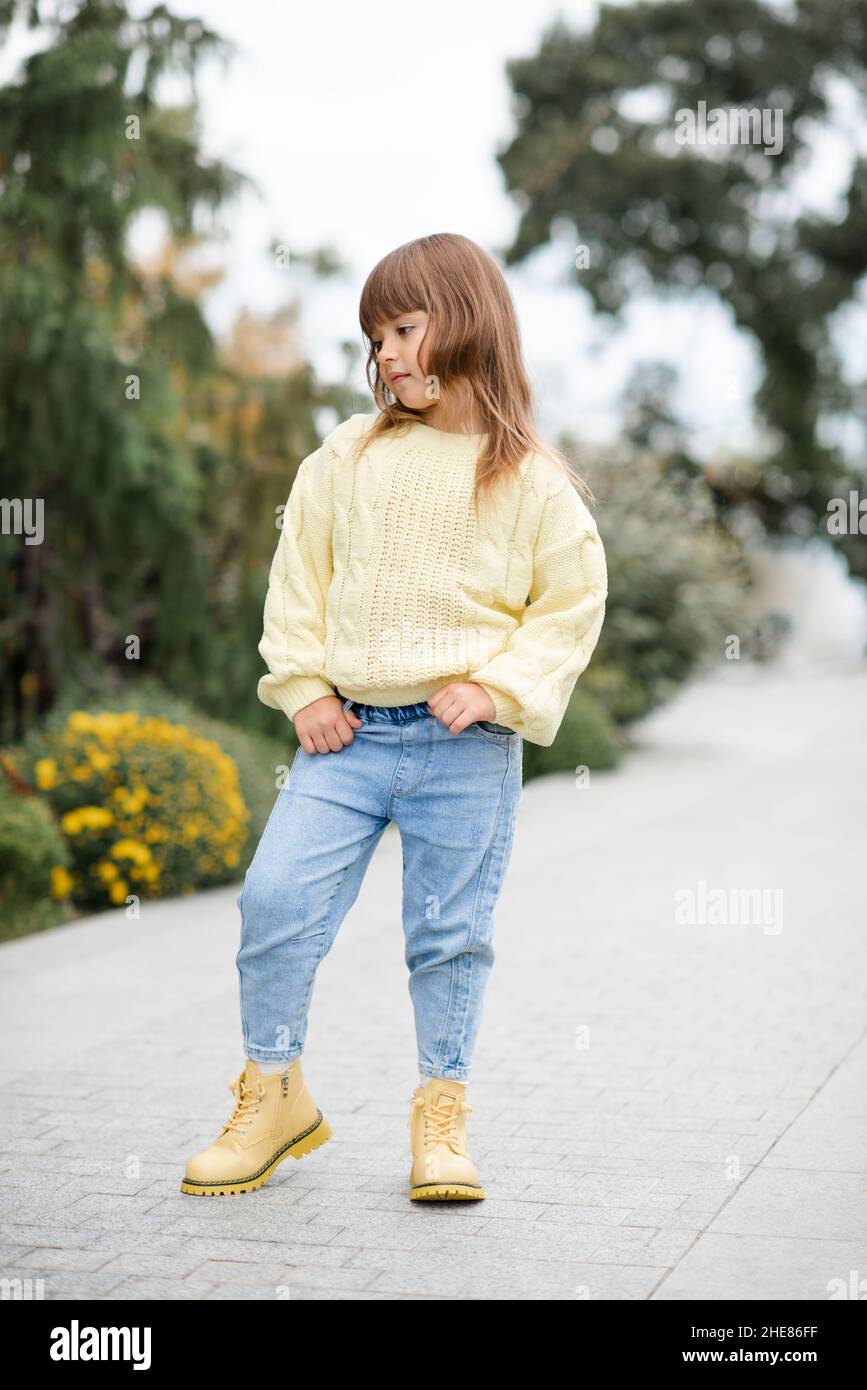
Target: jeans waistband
[(386, 714)]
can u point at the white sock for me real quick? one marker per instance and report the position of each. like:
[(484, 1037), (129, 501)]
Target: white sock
[(268, 1068)]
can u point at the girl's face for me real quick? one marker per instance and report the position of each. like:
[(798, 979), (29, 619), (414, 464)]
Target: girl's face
[(396, 347)]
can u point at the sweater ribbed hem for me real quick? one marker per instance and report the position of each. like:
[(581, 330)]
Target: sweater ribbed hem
[(293, 694), (397, 694), (506, 710)]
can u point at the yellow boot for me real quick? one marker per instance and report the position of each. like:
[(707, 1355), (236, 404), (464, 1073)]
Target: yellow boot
[(274, 1116), (442, 1170)]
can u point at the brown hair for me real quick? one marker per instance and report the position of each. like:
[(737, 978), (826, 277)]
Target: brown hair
[(474, 353)]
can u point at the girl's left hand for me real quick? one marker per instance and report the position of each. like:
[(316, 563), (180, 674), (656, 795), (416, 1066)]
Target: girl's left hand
[(461, 703)]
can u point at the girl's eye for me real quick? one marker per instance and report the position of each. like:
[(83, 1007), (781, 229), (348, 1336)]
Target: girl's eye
[(404, 326)]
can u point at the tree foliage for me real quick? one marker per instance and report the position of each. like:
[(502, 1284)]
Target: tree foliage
[(159, 464), (596, 147)]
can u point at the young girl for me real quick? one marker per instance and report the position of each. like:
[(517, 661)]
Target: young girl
[(438, 587)]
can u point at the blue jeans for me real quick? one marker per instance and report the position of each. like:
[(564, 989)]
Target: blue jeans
[(454, 798)]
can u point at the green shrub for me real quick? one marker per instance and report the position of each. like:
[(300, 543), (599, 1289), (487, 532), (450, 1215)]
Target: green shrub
[(34, 859), (677, 585), (587, 737)]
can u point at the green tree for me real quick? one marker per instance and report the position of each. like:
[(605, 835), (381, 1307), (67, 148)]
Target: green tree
[(88, 402), (596, 148), (159, 465)]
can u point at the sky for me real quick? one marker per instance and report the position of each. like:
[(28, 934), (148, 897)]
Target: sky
[(365, 128)]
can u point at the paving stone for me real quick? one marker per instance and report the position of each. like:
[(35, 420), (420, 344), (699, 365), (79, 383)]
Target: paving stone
[(279, 1276), (54, 1236), (143, 1288), (46, 1257), (756, 1267)]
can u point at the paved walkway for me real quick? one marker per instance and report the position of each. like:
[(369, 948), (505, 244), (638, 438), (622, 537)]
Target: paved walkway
[(663, 1109)]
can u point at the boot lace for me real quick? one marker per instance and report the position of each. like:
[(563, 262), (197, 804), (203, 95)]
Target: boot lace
[(245, 1103), (440, 1124)]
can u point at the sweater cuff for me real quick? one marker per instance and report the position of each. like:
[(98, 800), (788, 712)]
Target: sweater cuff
[(506, 709), (295, 693)]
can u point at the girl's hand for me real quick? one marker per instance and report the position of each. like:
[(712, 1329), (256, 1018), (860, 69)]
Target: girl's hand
[(322, 727), (461, 703)]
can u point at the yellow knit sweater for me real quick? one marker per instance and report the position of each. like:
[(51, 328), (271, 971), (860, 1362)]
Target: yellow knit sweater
[(385, 586)]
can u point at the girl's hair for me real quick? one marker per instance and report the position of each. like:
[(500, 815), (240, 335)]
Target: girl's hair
[(474, 356)]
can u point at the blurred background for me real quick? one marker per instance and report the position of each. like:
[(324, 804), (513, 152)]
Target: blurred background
[(190, 202)]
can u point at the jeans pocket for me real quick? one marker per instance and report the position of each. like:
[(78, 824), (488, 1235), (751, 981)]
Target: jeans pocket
[(498, 732)]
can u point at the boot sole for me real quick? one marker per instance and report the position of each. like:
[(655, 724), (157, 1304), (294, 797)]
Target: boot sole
[(309, 1139), (445, 1192)]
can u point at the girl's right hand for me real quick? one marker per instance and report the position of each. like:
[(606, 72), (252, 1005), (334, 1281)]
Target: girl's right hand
[(322, 726)]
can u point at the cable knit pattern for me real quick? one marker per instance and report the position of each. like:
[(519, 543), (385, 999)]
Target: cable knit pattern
[(386, 586)]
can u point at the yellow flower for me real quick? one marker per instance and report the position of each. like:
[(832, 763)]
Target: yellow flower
[(118, 890), (61, 882), (46, 773), (131, 801), (131, 849), (86, 817), (98, 758)]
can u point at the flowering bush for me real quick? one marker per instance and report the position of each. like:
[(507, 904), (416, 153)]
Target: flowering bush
[(34, 860), (145, 806)]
